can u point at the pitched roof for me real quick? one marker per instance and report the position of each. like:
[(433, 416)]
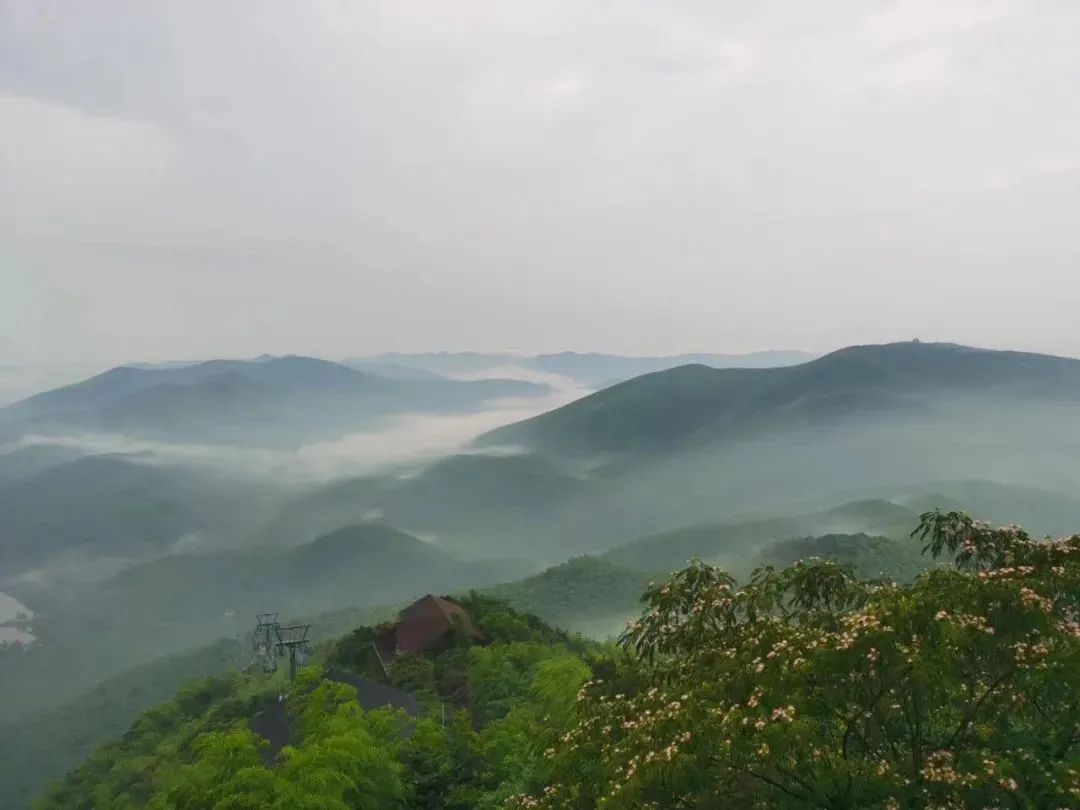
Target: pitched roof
[(427, 620)]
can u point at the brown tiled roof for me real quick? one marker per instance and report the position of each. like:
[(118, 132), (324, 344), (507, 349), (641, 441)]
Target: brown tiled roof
[(427, 621)]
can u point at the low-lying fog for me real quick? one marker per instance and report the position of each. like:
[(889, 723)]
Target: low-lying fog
[(408, 438)]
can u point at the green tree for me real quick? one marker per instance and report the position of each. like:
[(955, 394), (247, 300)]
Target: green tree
[(809, 688)]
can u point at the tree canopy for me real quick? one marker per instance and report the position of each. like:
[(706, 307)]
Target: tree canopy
[(803, 686), (807, 687)]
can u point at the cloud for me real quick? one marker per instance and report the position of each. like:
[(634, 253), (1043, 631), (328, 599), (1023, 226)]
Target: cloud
[(337, 178), (401, 444)]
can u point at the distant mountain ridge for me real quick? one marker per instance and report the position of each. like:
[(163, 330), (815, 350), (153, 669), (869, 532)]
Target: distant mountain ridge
[(736, 543), (358, 565), (706, 404), (587, 368), (114, 505), (275, 401)]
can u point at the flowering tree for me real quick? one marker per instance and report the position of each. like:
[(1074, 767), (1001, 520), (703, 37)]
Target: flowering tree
[(808, 688)]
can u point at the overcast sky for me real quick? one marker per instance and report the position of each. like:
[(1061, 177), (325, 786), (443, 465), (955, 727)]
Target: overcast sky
[(194, 178)]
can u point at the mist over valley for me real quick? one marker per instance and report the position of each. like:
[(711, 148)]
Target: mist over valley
[(539, 405)]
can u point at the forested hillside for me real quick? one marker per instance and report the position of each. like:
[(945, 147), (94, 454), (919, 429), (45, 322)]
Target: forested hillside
[(805, 686), (588, 594), (491, 712), (707, 405)]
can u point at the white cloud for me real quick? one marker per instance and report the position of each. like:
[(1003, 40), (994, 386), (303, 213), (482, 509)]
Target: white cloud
[(409, 439)]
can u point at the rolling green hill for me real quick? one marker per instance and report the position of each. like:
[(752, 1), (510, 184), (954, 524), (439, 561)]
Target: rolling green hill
[(590, 595), (504, 710), (872, 557), (479, 700), (582, 594), (699, 445), (481, 505), (181, 601), (41, 746), (1043, 511), (738, 546), (122, 506), (366, 564), (694, 402)]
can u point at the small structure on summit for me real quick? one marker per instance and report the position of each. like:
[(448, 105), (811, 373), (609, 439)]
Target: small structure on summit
[(428, 624)]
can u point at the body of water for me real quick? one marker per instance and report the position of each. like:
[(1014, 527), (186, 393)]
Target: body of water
[(12, 610)]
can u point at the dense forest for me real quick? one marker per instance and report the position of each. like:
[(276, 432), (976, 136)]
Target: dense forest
[(801, 686)]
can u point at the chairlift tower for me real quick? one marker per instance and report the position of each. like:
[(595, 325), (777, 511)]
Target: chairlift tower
[(265, 639), (294, 638)]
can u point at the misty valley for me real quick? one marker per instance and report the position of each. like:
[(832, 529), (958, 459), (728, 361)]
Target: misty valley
[(539, 505)]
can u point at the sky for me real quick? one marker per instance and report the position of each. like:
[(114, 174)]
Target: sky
[(182, 180)]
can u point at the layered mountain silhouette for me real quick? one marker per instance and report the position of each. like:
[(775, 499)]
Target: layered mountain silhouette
[(268, 401), (697, 404), (120, 506), (588, 368), (360, 565)]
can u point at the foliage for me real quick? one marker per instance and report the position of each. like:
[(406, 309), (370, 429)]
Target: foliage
[(732, 544), (198, 752), (582, 592), (869, 556), (129, 772), (804, 687), (810, 688)]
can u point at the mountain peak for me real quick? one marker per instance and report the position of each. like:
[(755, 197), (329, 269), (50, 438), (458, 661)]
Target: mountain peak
[(892, 380)]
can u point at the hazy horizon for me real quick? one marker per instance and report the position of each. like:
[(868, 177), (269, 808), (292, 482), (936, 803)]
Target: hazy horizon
[(184, 180)]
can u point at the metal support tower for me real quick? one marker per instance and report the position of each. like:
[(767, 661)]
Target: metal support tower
[(264, 641), (294, 638)]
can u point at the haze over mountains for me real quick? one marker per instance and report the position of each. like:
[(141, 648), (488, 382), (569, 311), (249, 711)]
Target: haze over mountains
[(680, 446), (700, 404), (740, 466), (266, 402), (590, 368)]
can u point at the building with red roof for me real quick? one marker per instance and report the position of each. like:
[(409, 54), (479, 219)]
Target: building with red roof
[(430, 623)]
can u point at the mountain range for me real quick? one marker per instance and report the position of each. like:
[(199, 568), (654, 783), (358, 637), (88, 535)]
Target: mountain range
[(273, 401), (836, 456), (591, 369), (114, 506), (695, 404)]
